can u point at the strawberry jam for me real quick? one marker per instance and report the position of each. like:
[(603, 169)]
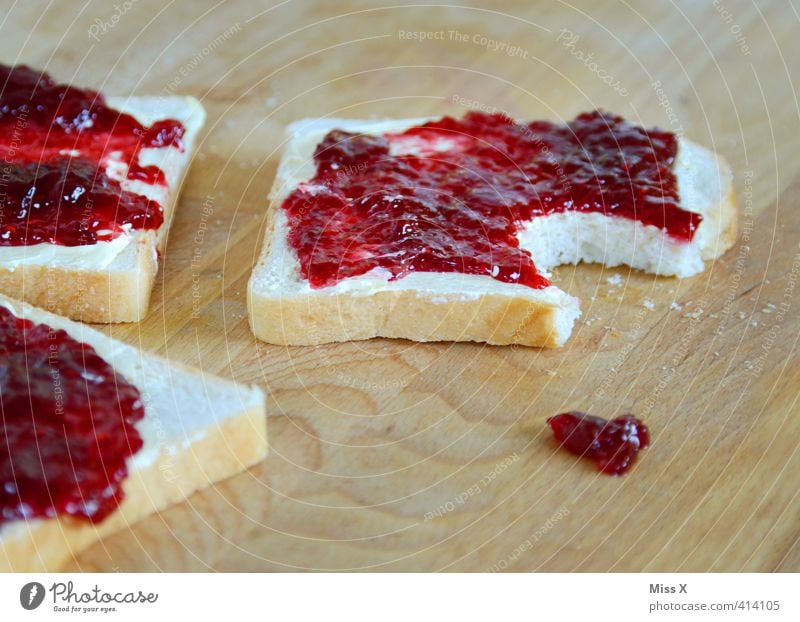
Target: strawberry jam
[(613, 445), (451, 195), (65, 203), (66, 425), (55, 143)]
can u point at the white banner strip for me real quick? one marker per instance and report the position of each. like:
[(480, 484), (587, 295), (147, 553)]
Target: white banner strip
[(399, 597)]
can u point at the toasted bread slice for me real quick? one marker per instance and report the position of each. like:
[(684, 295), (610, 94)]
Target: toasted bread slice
[(197, 429), (284, 309), (108, 281)]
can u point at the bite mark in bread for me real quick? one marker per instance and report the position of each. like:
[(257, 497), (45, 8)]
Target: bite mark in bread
[(284, 309)]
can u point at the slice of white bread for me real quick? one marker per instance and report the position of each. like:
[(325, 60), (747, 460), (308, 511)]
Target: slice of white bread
[(109, 281), (285, 310), (197, 429)]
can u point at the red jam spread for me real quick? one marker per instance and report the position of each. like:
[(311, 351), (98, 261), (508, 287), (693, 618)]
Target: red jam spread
[(451, 195), (613, 445), (55, 141), (66, 425)]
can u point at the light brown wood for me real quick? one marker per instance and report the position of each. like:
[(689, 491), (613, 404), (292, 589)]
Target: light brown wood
[(392, 455)]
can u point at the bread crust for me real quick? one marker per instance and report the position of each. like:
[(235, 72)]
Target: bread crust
[(314, 317), (97, 296), (121, 291), (46, 545), (404, 314)]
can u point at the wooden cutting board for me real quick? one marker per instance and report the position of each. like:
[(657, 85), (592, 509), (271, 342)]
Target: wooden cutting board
[(391, 455)]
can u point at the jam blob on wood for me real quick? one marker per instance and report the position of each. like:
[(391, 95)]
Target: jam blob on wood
[(613, 444)]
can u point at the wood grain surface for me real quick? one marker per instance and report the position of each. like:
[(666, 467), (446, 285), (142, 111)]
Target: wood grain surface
[(392, 455)]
